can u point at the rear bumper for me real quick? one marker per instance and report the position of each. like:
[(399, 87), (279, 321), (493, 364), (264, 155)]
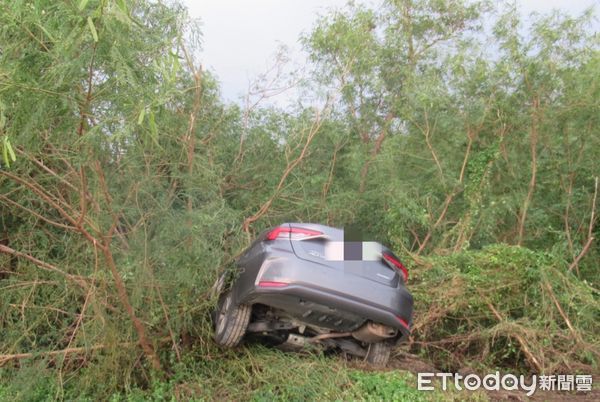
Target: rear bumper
[(338, 304), (334, 292)]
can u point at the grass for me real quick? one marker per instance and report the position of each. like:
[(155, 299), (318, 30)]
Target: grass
[(260, 374), (252, 373)]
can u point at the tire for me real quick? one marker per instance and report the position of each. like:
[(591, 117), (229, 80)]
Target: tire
[(378, 354), (219, 285), (231, 321)]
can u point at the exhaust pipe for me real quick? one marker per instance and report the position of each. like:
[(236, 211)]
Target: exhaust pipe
[(368, 333), (372, 332)]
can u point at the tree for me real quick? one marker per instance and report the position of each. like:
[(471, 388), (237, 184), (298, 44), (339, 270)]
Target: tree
[(111, 121)]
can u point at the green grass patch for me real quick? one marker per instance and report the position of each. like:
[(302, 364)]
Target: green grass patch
[(252, 373)]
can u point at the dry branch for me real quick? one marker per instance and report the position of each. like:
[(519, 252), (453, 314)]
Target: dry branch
[(124, 299), (439, 220), (327, 184), (106, 250), (562, 312), (376, 148), (471, 134), (533, 141), (52, 202), (286, 172), (590, 238), (18, 356), (530, 357), (37, 215), (80, 280)]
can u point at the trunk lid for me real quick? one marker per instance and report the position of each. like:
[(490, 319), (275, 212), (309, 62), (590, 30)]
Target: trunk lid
[(330, 251)]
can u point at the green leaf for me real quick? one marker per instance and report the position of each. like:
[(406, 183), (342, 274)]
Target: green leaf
[(121, 4), (153, 128), (10, 151), (176, 64), (92, 28), (2, 117), (5, 153), (82, 4), (141, 116)]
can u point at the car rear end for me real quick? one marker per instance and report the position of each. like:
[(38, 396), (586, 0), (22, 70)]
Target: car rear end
[(310, 272)]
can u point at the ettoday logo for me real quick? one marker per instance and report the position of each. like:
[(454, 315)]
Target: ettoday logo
[(507, 382)]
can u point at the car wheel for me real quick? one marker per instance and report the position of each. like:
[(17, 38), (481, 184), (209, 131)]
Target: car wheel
[(231, 321), (378, 353)]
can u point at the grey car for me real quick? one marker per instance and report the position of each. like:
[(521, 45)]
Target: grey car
[(307, 285)]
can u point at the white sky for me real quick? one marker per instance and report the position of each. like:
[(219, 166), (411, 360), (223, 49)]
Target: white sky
[(240, 37)]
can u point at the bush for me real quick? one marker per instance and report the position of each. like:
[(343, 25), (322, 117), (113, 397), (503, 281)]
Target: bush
[(504, 306)]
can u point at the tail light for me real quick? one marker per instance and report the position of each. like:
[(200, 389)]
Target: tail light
[(403, 323), (293, 233), (391, 259), (270, 284)]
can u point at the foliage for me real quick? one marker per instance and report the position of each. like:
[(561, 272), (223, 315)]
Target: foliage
[(505, 306), (126, 186)]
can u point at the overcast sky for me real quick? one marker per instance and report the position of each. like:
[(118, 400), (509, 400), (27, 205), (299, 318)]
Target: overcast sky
[(240, 37)]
